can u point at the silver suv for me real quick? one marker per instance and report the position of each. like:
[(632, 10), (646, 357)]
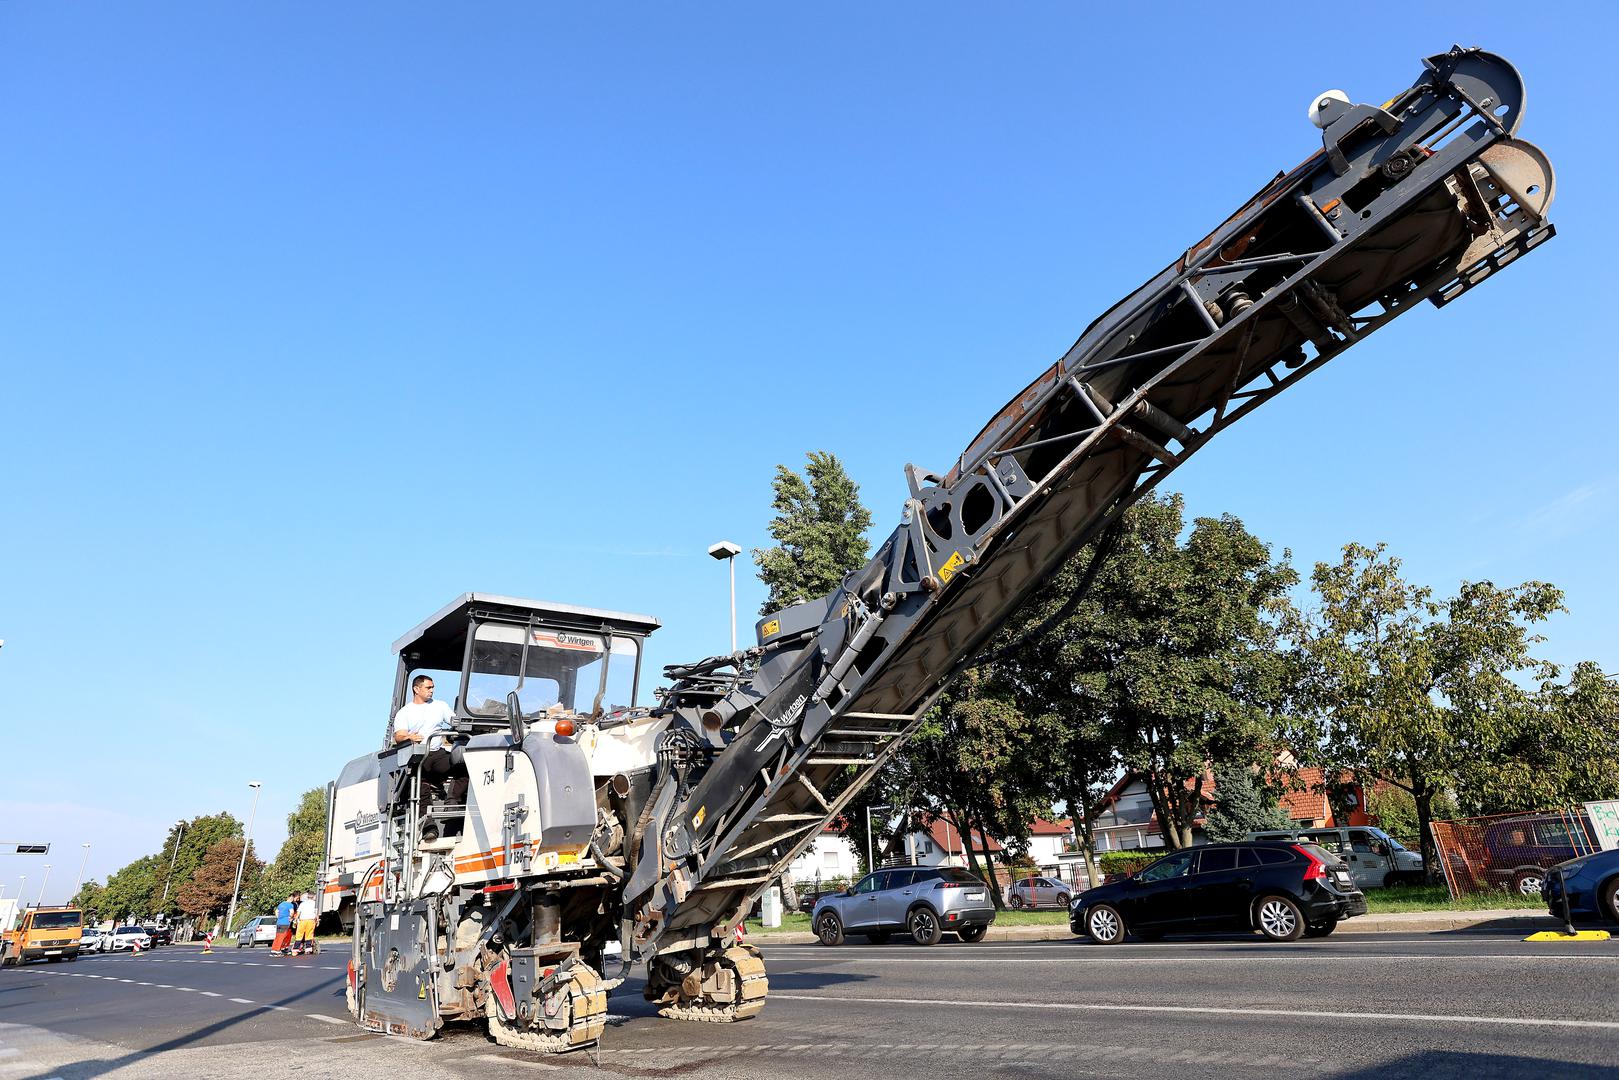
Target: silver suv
[(926, 901)]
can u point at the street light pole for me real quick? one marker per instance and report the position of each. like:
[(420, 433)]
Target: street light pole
[(728, 551), (42, 885), (871, 863), (170, 879), (240, 866), (80, 883)]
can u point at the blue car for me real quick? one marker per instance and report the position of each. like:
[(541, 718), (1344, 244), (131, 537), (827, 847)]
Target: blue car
[(1591, 883)]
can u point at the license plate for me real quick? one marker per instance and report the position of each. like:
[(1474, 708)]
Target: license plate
[(53, 952), (975, 895)]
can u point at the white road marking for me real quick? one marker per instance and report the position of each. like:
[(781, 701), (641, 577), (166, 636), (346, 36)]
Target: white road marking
[(1306, 1014), (544, 1066), (186, 989), (327, 1019), (208, 993)]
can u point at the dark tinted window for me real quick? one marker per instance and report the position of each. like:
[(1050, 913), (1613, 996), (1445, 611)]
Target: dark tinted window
[(1170, 866), (1274, 856), (55, 920), (1213, 860), (956, 873), (926, 874), (898, 879), (1246, 857)]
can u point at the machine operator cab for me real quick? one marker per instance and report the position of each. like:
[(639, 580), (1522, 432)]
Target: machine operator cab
[(552, 685), (558, 659)]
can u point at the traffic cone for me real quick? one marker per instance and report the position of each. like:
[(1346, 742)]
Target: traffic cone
[(207, 943), (135, 947)]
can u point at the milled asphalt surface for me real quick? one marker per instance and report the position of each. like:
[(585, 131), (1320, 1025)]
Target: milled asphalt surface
[(1473, 1004)]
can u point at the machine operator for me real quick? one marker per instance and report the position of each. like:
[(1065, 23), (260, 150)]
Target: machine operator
[(426, 721)]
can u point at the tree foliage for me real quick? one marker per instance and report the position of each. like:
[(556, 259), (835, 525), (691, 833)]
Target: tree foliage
[(1242, 805), (819, 529), (195, 838), (1420, 693), (1176, 649), (297, 864), (206, 896)]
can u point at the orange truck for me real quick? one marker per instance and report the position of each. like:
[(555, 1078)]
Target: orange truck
[(49, 933)]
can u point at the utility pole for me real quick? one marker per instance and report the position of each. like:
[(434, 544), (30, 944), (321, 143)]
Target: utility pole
[(246, 840), (170, 879)]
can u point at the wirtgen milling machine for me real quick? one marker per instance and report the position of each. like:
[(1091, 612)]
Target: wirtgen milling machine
[(597, 834)]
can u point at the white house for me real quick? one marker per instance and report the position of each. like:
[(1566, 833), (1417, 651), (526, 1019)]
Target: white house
[(830, 856)]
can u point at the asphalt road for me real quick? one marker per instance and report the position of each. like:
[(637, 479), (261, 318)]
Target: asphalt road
[(1473, 1005)]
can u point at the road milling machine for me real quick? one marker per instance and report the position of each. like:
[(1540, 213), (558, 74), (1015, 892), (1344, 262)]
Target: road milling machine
[(600, 833)]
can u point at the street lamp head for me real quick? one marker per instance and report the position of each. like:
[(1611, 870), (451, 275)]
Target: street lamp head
[(724, 550), (255, 784)]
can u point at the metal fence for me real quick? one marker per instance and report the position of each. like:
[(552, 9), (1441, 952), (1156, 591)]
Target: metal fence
[(1510, 853)]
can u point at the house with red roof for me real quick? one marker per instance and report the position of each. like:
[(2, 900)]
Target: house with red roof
[(1124, 819)]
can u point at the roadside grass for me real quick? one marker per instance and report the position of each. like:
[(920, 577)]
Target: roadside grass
[(1437, 898)]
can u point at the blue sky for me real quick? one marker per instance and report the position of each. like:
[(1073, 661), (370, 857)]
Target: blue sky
[(319, 315)]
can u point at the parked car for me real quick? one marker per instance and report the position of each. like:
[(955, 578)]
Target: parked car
[(1037, 892), (926, 901), (90, 940), (1517, 851), (258, 931), (1375, 858), (1285, 891), (1591, 883), (160, 935), (125, 939)]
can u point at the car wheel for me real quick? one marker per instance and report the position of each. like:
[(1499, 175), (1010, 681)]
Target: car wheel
[(829, 928), (878, 937), (970, 934), (1104, 925), (1610, 897), (1321, 929), (1279, 918), (1017, 902), (924, 926), (1391, 879), (1529, 882), (1062, 900)]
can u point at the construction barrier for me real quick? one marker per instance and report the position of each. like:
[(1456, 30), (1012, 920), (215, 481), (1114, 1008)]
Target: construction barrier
[(1510, 853)]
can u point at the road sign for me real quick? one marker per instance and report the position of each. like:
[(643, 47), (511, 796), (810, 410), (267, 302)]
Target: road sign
[(27, 849), (1605, 822)]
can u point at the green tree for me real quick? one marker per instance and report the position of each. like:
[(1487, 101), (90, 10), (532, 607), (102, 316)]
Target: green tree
[(1175, 652), (1419, 693), (92, 900), (1395, 811), (968, 764), (129, 892), (1560, 749), (297, 864), (1241, 805), (819, 529)]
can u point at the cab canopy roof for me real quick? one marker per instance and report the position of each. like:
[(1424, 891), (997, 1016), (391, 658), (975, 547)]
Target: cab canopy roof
[(445, 633)]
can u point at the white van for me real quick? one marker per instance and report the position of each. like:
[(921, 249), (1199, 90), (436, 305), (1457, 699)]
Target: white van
[(1375, 858)]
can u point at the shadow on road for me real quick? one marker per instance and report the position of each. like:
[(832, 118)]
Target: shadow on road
[(1459, 1065), (88, 1069)]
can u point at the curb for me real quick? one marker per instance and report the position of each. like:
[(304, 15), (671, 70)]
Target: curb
[(1407, 922)]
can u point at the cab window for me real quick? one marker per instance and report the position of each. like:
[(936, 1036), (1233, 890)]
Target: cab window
[(870, 883)]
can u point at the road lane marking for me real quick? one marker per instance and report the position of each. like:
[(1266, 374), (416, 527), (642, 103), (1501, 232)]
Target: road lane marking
[(243, 1001), (209, 993), (1304, 1014), (327, 1019)]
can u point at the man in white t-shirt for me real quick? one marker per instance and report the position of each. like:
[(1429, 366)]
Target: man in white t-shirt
[(428, 722)]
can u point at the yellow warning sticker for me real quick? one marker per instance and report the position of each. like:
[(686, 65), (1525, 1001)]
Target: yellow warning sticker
[(771, 627), (951, 565), (697, 822)]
